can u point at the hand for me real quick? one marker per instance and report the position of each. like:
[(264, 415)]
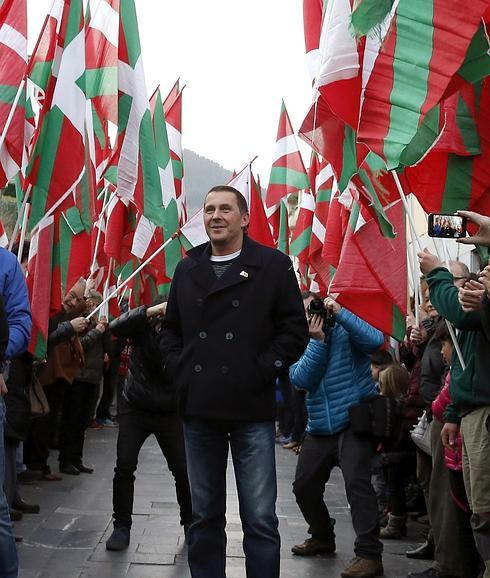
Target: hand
[(483, 235), (428, 261), (470, 296), (158, 309), (484, 278), (79, 324), (315, 324), (418, 335), (332, 305), (3, 387), (410, 321), (449, 435), (101, 324)]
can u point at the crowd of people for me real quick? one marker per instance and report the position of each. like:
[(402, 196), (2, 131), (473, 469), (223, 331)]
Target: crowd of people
[(408, 426)]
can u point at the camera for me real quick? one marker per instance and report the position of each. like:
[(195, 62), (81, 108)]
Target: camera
[(317, 307)]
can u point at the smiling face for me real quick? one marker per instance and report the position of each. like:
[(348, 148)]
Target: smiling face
[(224, 222)]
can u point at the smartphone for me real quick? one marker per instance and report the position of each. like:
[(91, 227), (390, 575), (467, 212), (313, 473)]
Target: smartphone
[(446, 226)]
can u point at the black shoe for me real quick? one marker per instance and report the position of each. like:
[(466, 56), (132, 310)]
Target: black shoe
[(25, 507), (18, 538), (119, 539), (430, 573), (424, 552), (84, 469), (69, 469)]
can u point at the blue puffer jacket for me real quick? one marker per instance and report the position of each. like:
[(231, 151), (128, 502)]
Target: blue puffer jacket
[(337, 374), (13, 289)]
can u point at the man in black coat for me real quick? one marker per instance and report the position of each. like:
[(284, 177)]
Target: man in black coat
[(235, 322), (147, 406)]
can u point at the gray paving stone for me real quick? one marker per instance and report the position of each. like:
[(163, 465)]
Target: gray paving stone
[(67, 540)]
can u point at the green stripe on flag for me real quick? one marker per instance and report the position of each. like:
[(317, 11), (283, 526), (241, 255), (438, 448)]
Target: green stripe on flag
[(48, 142), (477, 61), (349, 157), (7, 93), (283, 239), (75, 23), (125, 103), (423, 140), (40, 73), (368, 14), (129, 21), (467, 127), (398, 329), (101, 81), (411, 62), (300, 243), (177, 169), (286, 176), (459, 176)]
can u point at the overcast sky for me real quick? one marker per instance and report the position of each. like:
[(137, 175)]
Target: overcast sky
[(238, 58)]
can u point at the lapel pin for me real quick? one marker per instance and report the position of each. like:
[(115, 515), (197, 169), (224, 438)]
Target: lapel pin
[(244, 274)]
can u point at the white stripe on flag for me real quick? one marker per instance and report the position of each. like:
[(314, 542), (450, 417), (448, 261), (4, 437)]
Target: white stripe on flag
[(142, 237), (241, 182), (318, 229), (106, 21), (14, 40), (194, 230), (285, 146)]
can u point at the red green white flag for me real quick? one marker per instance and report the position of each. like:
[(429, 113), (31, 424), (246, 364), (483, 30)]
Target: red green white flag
[(13, 66), (405, 80), (371, 278)]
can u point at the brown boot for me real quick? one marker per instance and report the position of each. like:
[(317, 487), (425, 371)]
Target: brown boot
[(314, 546), (395, 529), (363, 568)]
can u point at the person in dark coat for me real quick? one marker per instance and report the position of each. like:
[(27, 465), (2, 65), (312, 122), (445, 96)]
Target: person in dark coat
[(235, 322), (148, 406), (81, 395)]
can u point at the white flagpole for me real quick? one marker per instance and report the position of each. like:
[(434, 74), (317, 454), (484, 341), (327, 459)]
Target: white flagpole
[(134, 273)]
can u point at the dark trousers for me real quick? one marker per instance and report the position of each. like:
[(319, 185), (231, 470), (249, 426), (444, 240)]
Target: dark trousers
[(443, 512), (108, 393), (397, 474), (44, 429), (78, 406), (319, 455), (134, 428), (473, 565), (10, 480), (300, 415), (252, 448)]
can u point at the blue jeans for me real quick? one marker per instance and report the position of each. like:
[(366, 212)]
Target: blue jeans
[(8, 551), (252, 449)]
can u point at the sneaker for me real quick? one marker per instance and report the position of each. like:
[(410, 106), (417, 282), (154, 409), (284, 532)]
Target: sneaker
[(363, 568), (424, 552), (119, 539), (314, 546)]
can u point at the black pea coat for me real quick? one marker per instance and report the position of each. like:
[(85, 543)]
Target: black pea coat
[(227, 339)]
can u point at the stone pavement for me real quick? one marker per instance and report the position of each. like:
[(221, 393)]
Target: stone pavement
[(67, 539)]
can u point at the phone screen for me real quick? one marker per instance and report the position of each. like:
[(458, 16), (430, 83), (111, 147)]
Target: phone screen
[(445, 226)]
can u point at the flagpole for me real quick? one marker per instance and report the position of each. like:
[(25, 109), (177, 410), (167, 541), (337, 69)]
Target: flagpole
[(8, 122), (416, 279), (456, 344), (134, 273), (20, 215), (99, 231), (23, 233), (403, 197)]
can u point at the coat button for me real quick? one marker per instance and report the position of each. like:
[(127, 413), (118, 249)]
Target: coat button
[(225, 369), (198, 368), (235, 302), (203, 334), (278, 363), (229, 336)]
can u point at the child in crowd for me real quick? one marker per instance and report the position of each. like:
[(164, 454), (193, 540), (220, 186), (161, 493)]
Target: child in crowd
[(398, 455)]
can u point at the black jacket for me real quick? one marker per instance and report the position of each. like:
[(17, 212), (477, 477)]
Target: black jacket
[(146, 387), (228, 339), (17, 399)]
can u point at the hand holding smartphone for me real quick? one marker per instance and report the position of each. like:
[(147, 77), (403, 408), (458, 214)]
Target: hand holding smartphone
[(446, 226)]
